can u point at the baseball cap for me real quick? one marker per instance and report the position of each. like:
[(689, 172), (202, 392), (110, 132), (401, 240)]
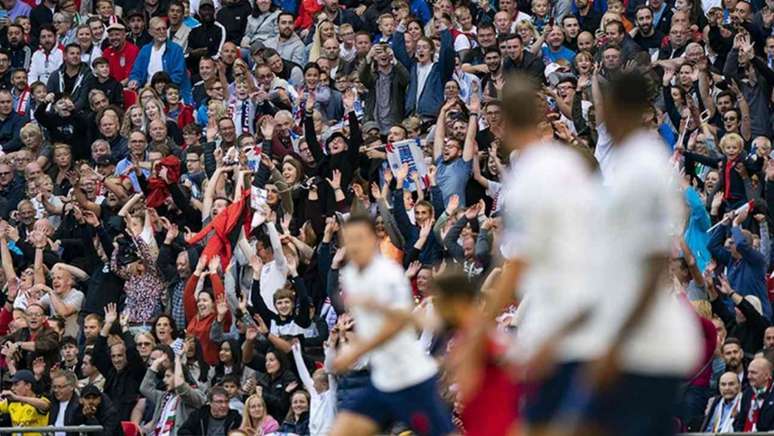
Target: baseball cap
[(370, 125), (105, 161), (89, 390), (135, 13), (23, 375), (204, 3), (117, 26)]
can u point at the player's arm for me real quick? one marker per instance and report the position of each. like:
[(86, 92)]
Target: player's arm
[(392, 325), (503, 291)]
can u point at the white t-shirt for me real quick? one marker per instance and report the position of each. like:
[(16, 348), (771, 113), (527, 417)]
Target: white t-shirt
[(547, 204), (604, 151), (156, 63), (272, 279), (643, 209), (73, 298), (400, 362), (422, 72), (60, 417)]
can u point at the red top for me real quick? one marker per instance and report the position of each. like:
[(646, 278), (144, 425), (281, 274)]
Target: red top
[(121, 61), (200, 327), (492, 409)]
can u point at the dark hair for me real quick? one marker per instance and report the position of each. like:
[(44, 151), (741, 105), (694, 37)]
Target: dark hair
[(171, 324), (628, 92), (160, 77), (733, 341), (492, 49), (48, 27), (617, 23), (486, 25), (567, 17), (284, 13), (454, 284), (16, 25), (72, 45), (311, 65), (520, 102), (641, 7), (362, 219), (216, 390), (508, 37)]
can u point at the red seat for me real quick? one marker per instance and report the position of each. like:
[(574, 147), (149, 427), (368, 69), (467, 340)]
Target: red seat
[(130, 428), (130, 98)]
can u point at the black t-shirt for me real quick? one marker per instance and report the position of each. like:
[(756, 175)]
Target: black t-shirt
[(649, 42), (69, 83)]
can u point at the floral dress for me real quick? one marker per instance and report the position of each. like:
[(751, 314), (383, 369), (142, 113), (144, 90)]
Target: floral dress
[(143, 291)]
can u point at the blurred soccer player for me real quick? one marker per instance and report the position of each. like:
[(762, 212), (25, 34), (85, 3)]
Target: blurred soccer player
[(547, 244), (634, 383)]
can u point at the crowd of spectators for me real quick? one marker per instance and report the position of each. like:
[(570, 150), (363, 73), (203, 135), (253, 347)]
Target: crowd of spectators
[(174, 176)]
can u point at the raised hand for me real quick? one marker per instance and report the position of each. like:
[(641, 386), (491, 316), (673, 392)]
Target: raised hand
[(413, 269), (401, 174), (376, 192), (222, 307), (267, 127), (214, 264), (425, 229), (335, 182), (111, 314)]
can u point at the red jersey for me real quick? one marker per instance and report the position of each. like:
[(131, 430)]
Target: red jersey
[(121, 61), (493, 408)]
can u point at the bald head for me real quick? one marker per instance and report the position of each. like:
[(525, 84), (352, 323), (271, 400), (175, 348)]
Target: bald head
[(729, 385), (759, 372)]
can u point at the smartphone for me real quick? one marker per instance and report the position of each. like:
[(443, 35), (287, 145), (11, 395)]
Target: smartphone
[(3, 14), (177, 346)]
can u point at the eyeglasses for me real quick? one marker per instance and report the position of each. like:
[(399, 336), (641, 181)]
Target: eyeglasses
[(34, 314), (144, 344)]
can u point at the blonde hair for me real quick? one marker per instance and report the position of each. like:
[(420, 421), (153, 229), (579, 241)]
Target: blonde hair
[(729, 139), (218, 108), (126, 125), (247, 423)]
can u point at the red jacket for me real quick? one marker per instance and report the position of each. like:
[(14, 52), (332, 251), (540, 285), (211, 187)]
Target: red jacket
[(121, 61), (185, 116)]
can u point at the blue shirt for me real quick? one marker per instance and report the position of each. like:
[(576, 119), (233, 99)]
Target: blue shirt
[(452, 177), (550, 56)]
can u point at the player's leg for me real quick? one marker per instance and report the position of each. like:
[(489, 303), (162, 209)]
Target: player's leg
[(421, 408), (352, 424), (362, 415)]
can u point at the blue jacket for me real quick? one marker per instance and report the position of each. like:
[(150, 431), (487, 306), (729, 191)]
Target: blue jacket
[(9, 132), (174, 65), (695, 235), (432, 252), (430, 101), (747, 275)]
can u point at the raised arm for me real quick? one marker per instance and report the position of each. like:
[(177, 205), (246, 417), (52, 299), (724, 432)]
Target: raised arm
[(470, 137)]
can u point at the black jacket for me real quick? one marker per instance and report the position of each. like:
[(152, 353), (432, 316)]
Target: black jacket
[(122, 386), (530, 64), (72, 130), (233, 17), (106, 416), (766, 418), (9, 132), (274, 393), (80, 92), (199, 421), (73, 409)]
